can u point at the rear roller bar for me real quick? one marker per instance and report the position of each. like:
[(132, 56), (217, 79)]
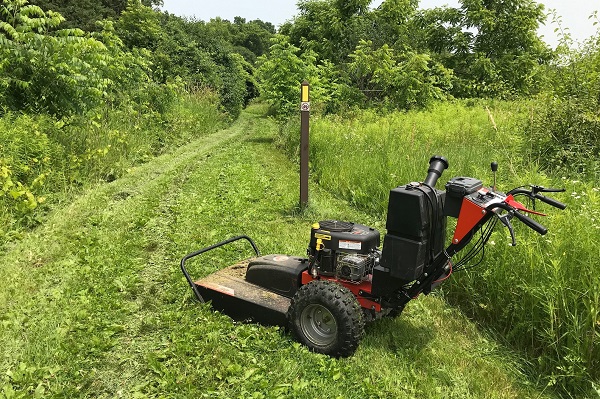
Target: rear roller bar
[(203, 250)]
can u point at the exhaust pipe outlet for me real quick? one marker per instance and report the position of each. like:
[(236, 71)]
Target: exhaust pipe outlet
[(437, 165)]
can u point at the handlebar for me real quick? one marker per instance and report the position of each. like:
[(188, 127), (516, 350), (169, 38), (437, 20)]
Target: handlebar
[(550, 201), (532, 224), (533, 194), (541, 189)]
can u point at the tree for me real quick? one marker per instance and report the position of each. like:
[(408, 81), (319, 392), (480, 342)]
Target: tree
[(83, 14), (252, 39), (391, 24), (492, 45), (281, 72), (197, 53), (330, 28), (60, 72), (349, 8), (564, 134), (400, 80), (139, 26)]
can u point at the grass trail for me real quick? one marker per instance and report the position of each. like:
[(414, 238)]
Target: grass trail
[(93, 303)]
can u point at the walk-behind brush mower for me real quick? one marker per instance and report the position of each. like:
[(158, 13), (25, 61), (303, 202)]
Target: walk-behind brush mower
[(345, 280)]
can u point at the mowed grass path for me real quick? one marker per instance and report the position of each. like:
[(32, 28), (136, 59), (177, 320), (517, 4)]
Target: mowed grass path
[(93, 304)]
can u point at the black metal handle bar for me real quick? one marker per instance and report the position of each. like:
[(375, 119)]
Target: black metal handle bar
[(534, 195), (540, 189), (523, 218), (531, 223), (550, 201), (203, 250)]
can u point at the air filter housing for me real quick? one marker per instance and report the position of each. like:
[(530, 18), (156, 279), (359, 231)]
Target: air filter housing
[(415, 230)]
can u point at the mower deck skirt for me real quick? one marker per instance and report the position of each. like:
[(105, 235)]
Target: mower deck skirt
[(231, 294)]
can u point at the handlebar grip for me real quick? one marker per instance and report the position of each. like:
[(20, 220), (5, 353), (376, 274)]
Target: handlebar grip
[(531, 223), (552, 190), (551, 201)]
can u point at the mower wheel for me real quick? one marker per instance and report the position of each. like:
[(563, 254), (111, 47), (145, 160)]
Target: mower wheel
[(327, 318)]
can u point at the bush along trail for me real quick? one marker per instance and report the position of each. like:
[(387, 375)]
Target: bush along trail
[(93, 303)]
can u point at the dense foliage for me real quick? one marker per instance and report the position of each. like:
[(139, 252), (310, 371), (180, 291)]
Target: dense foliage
[(564, 129), (397, 57), (59, 73), (83, 14), (202, 54), (77, 106), (402, 57)]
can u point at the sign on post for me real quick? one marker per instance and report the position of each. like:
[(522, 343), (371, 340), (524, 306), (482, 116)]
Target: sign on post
[(304, 135)]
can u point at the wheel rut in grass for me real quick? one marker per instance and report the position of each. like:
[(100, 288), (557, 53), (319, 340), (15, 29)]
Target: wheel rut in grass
[(143, 326), (97, 261)]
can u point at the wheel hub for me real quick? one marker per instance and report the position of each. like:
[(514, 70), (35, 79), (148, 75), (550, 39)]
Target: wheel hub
[(318, 325)]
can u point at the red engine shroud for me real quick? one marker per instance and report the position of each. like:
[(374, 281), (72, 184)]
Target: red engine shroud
[(473, 210)]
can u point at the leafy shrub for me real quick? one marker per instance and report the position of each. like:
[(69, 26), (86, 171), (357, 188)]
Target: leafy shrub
[(85, 14), (564, 129), (280, 75), (232, 87), (139, 26), (564, 137), (68, 72), (401, 81), (26, 164), (59, 72)]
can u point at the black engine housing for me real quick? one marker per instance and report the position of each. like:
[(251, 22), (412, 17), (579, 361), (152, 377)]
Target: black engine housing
[(347, 250)]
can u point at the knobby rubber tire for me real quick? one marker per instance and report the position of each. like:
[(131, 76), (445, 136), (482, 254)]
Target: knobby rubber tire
[(327, 318)]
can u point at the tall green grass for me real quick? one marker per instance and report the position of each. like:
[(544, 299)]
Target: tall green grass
[(42, 157), (542, 296), (362, 156)]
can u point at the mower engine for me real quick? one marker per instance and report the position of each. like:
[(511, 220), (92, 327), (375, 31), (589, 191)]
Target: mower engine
[(344, 250), (416, 227)]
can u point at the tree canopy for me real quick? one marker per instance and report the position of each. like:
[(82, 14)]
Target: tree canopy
[(402, 57), (83, 14)]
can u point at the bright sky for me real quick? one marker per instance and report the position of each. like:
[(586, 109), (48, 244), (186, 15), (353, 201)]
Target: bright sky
[(574, 13)]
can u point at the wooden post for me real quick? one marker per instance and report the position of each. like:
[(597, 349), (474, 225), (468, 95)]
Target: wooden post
[(304, 135)]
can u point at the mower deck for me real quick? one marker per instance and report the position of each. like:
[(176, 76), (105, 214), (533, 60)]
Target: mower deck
[(231, 294)]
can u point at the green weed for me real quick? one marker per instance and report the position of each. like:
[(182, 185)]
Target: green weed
[(44, 158)]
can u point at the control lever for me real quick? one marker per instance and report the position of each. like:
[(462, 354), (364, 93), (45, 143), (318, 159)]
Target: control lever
[(541, 189), (505, 219), (494, 166)]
